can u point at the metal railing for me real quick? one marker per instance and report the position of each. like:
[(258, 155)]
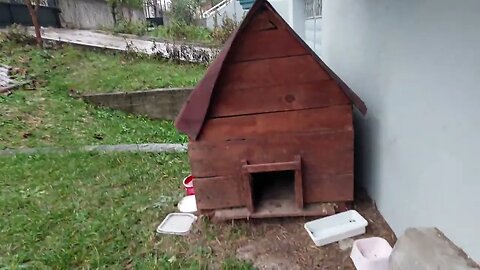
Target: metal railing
[(211, 11)]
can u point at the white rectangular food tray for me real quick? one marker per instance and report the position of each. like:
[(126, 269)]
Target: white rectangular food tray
[(177, 223), (335, 228)]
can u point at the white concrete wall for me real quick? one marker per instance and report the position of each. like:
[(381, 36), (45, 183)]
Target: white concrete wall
[(416, 64), (292, 11), (92, 14)]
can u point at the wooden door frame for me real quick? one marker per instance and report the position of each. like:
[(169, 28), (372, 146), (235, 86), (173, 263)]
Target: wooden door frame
[(248, 169)]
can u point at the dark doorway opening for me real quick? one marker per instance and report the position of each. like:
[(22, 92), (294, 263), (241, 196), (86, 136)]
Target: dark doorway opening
[(273, 189)]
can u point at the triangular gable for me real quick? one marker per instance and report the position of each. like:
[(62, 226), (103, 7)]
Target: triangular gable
[(194, 111)]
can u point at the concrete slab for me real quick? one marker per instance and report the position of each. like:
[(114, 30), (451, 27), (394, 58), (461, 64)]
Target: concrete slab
[(428, 249), (120, 43)]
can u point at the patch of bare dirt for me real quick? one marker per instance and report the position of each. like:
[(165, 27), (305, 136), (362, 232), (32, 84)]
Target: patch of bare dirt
[(283, 243)]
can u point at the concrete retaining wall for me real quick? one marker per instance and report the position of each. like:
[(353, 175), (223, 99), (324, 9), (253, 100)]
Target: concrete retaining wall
[(92, 14), (156, 104)]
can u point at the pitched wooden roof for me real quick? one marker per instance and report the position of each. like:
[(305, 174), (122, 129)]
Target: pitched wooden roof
[(192, 116)]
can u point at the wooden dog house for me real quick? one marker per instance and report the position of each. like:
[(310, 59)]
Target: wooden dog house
[(270, 126)]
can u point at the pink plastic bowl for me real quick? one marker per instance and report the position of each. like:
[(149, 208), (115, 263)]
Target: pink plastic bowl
[(188, 184)]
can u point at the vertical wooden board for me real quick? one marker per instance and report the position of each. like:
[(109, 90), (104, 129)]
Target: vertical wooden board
[(328, 188), (271, 72), (326, 119), (296, 96), (299, 200), (219, 192), (264, 44), (321, 152)]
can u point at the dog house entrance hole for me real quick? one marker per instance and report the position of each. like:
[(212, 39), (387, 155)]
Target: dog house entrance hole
[(273, 189)]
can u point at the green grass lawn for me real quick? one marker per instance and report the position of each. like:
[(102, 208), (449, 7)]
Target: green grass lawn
[(95, 211), (92, 210), (49, 116)]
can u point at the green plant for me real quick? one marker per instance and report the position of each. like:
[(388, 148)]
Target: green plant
[(184, 11), (19, 34), (128, 27), (221, 33), (50, 117)]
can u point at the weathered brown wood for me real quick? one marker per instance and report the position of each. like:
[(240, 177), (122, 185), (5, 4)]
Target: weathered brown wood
[(218, 192), (298, 182), (320, 187), (223, 75), (264, 21), (276, 209), (271, 167), (263, 48), (287, 97), (271, 72), (328, 153), (268, 111), (246, 182), (326, 119)]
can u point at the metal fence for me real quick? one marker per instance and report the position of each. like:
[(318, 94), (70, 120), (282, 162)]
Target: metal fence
[(14, 12)]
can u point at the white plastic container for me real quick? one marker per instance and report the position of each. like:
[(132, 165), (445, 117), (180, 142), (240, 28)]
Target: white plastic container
[(335, 228), (371, 253), (177, 223)]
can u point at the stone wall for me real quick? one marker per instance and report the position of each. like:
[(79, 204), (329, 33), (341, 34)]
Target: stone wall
[(156, 104), (92, 14)]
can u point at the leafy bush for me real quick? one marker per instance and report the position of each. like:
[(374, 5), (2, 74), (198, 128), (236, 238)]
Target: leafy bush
[(178, 31), (221, 33), (19, 34), (126, 27), (184, 11)]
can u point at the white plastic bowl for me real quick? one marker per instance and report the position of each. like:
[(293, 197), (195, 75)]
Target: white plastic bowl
[(371, 253), (336, 227)]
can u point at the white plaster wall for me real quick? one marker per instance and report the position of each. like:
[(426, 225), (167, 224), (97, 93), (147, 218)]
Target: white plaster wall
[(293, 12), (416, 64)]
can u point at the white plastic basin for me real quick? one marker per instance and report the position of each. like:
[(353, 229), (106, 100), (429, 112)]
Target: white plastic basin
[(334, 228), (371, 253)]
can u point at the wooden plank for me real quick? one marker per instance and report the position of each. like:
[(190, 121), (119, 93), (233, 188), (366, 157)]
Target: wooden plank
[(299, 183), (328, 188), (326, 153), (271, 167), (268, 44), (280, 209), (286, 97), (247, 186), (247, 126), (271, 72), (218, 192)]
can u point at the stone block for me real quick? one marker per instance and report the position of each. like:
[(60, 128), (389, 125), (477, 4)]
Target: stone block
[(428, 249)]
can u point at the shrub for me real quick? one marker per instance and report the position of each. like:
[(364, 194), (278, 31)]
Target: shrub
[(19, 34), (184, 11), (180, 31), (221, 33), (126, 27)]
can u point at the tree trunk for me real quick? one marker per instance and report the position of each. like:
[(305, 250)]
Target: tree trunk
[(34, 15)]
